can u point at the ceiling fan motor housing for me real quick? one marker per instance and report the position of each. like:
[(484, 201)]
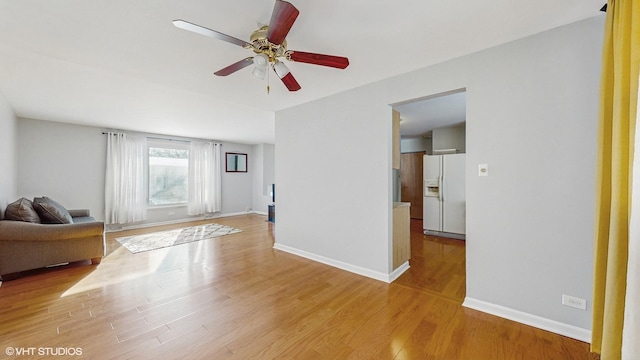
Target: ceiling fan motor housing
[(262, 46)]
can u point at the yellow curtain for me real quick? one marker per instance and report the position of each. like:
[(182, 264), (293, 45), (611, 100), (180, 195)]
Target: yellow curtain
[(631, 328), (617, 119)]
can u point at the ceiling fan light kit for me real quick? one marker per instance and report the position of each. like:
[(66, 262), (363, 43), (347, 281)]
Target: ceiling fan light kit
[(260, 61), (281, 69), (269, 44)]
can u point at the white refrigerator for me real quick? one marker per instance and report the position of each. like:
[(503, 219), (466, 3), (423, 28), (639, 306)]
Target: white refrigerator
[(444, 195)]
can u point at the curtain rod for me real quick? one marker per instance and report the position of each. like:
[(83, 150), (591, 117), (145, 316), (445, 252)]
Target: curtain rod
[(164, 138)]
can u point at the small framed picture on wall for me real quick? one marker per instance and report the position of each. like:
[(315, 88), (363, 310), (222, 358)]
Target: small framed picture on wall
[(235, 162)]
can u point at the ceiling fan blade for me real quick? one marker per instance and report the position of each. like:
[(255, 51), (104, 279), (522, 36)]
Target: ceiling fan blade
[(287, 79), (290, 82), (319, 59), (285, 75), (283, 16), (210, 33), (234, 67)]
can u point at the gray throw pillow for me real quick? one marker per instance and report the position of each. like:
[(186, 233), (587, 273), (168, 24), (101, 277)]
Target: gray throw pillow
[(51, 212), (21, 210)]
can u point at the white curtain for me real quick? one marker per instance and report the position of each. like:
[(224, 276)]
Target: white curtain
[(125, 196), (631, 328), (204, 178)]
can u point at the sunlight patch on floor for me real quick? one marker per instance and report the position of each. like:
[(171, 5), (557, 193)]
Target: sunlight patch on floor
[(106, 275)]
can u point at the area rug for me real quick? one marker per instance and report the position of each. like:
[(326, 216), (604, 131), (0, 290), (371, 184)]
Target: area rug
[(158, 240)]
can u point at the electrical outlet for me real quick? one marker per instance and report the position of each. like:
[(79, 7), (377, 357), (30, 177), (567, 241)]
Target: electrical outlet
[(574, 302)]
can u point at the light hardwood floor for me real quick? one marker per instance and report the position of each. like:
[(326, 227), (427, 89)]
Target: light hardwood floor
[(235, 297), (437, 265)]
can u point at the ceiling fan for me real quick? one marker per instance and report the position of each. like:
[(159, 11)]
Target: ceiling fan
[(270, 45)]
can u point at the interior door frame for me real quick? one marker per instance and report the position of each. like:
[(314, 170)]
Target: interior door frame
[(440, 94)]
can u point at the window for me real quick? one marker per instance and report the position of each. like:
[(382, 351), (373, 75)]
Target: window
[(168, 174)]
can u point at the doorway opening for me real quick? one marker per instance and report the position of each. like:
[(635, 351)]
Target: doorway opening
[(433, 136)]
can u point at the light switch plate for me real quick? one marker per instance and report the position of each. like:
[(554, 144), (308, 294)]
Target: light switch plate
[(483, 170)]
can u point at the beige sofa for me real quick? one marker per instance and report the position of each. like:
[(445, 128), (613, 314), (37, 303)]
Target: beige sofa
[(28, 245)]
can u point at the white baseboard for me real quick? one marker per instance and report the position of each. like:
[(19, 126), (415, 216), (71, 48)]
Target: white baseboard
[(147, 225), (399, 271), (539, 322), (179, 221), (230, 214), (344, 266)]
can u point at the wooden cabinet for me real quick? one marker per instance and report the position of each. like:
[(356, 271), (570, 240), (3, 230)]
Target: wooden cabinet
[(401, 234), (411, 182)]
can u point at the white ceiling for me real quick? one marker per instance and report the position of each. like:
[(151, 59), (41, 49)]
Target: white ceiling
[(419, 117), (122, 64)]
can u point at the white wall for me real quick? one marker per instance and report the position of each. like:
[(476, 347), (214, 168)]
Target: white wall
[(263, 176), (269, 168), (450, 137), (415, 145), (67, 163), (531, 115), (64, 162), (333, 177), (533, 119), (8, 161), (237, 188)]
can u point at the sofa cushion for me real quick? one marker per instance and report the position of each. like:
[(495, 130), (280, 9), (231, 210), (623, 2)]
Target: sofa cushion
[(51, 212), (22, 210)]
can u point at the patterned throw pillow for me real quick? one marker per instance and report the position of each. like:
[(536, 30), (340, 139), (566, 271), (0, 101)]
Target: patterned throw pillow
[(21, 210), (51, 212)]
